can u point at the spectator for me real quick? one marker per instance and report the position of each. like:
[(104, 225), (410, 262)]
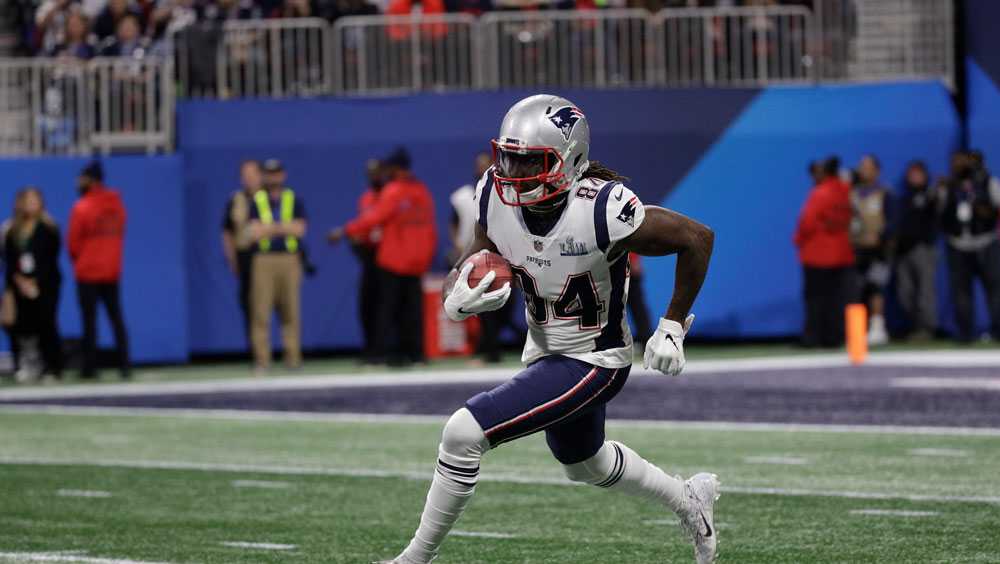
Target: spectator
[(31, 250), (916, 252), (109, 20), (277, 224), (50, 24), (169, 17), (365, 248), (8, 314), (237, 242), (463, 208), (824, 244), (405, 214), (295, 9), (76, 39), (871, 202), (335, 9), (816, 172), (127, 42), (969, 202), (96, 237)]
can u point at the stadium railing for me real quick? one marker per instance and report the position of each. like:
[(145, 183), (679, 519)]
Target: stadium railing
[(397, 54), (733, 46), (568, 49), (57, 107)]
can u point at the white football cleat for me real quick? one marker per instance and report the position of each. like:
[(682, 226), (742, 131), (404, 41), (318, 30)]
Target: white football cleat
[(702, 490)]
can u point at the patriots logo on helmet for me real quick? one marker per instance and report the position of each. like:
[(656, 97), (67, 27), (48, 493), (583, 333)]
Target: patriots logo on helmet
[(627, 215), (565, 119)]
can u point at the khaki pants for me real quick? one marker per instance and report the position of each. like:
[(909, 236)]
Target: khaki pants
[(276, 281)]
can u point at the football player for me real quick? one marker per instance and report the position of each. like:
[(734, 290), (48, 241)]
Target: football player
[(566, 225)]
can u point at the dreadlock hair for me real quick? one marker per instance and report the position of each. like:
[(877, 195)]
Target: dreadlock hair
[(601, 172)]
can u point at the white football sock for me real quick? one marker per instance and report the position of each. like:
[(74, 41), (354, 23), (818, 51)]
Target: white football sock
[(618, 467), (462, 445)]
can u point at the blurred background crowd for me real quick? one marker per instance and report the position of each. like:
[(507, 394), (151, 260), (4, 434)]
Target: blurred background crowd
[(82, 29)]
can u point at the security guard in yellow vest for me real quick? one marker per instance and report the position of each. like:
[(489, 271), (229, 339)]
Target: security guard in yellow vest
[(277, 223)]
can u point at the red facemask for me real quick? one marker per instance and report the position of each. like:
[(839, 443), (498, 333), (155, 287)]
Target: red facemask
[(533, 174)]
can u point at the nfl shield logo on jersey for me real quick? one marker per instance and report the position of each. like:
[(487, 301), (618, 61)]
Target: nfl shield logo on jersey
[(539, 246)]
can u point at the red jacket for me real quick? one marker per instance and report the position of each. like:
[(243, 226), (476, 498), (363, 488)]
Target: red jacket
[(405, 212), (96, 232), (366, 203), (823, 233)]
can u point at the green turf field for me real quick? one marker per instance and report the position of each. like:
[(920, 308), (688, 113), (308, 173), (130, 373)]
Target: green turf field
[(348, 491)]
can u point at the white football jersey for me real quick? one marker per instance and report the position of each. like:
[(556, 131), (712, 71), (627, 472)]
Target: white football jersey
[(574, 297)]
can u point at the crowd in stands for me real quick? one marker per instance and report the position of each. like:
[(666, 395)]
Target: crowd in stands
[(862, 241), (82, 29)]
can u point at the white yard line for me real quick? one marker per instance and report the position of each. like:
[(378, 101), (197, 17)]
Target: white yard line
[(66, 556), (894, 513), (932, 383), (259, 545), (943, 359), (942, 452), (262, 484), (779, 460), (388, 418), (424, 476), (481, 535), (83, 493)]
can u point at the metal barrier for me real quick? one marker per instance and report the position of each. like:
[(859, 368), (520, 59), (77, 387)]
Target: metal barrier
[(55, 107), (393, 54), (902, 39), (567, 49), (732, 46)]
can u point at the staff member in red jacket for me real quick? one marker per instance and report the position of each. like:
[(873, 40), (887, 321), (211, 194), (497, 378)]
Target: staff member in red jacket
[(96, 234), (404, 211), (824, 243)]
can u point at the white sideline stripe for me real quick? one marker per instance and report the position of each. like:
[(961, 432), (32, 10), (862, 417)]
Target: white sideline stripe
[(894, 512), (259, 545), (425, 476), (482, 535), (932, 383), (66, 557), (944, 452), (388, 418), (942, 359), (83, 493), (784, 460), (264, 484)]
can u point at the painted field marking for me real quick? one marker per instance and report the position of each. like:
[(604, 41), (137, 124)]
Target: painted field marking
[(499, 478), (481, 534), (942, 452), (379, 418), (780, 460), (894, 512), (66, 556), (263, 484), (259, 545), (932, 383), (944, 359), (83, 493)]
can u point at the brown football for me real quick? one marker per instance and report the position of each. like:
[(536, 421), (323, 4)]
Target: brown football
[(483, 263)]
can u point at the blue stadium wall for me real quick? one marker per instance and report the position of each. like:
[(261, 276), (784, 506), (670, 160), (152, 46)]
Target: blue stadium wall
[(735, 159), (154, 288)]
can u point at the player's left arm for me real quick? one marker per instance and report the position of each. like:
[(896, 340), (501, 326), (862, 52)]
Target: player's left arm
[(664, 232)]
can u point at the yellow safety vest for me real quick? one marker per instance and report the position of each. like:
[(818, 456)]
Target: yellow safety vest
[(267, 218)]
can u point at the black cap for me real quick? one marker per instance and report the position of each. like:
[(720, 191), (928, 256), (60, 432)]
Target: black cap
[(93, 170), (399, 158), (273, 165)]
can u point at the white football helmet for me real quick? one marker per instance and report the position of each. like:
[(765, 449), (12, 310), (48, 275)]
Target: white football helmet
[(542, 150)]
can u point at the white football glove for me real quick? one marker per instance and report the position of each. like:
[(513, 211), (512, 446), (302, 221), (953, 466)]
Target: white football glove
[(464, 302), (665, 349)]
